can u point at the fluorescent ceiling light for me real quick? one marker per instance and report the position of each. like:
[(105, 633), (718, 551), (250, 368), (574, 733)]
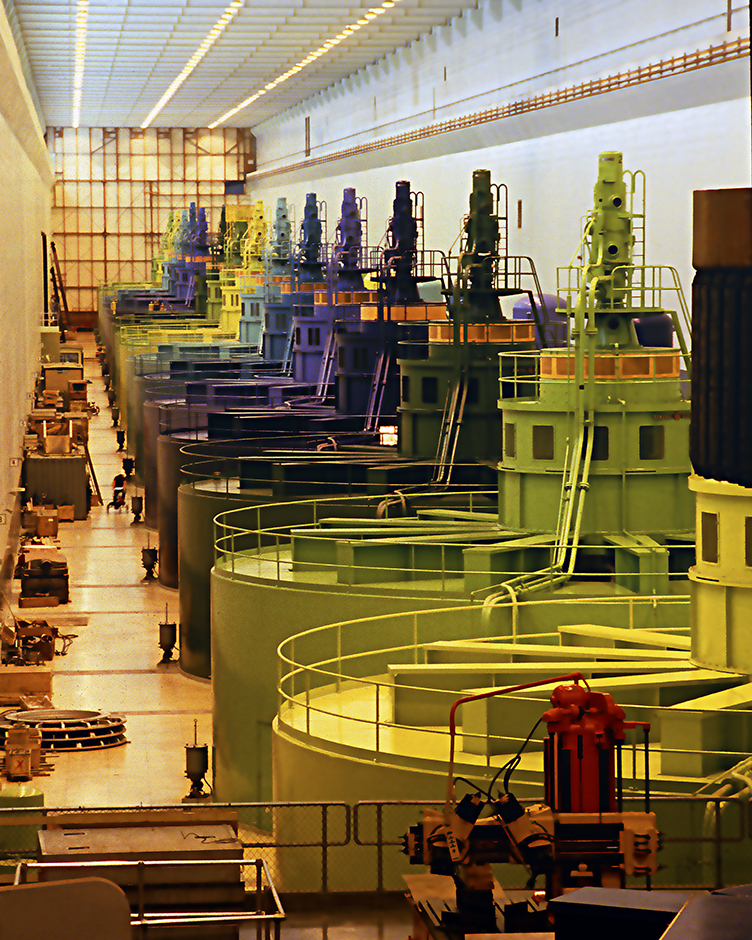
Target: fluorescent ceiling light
[(211, 37), (82, 14), (311, 57)]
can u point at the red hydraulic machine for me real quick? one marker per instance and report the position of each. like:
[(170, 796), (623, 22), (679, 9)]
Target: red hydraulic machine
[(580, 836)]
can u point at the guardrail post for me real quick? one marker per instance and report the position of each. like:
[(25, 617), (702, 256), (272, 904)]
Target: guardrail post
[(378, 717), (339, 656), (141, 868), (308, 703), (280, 697)]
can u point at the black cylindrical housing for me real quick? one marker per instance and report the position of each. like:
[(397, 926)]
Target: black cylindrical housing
[(196, 761), (721, 429)]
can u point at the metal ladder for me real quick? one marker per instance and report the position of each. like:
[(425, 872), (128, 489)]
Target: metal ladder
[(451, 425), (378, 386), (574, 484), (191, 293), (327, 367), (540, 313), (289, 347), (573, 490), (574, 487)]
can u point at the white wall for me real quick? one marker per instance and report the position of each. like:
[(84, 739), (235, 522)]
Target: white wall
[(24, 215), (687, 132), (506, 49)]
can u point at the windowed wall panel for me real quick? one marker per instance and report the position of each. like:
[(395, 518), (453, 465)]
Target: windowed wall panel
[(115, 189)]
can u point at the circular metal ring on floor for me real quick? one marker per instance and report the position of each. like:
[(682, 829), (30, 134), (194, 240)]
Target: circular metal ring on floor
[(68, 729)]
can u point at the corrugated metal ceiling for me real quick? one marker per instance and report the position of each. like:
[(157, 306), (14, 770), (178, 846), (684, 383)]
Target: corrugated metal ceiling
[(135, 50)]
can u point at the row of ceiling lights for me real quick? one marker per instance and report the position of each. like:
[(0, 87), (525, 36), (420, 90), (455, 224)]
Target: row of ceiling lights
[(82, 15), (211, 37), (316, 54)]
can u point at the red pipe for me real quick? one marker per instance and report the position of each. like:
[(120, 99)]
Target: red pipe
[(577, 676)]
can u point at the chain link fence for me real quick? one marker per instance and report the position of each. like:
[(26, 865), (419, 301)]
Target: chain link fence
[(328, 847)]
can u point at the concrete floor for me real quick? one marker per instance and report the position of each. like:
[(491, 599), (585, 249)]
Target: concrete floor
[(112, 663), (391, 923), (112, 666)]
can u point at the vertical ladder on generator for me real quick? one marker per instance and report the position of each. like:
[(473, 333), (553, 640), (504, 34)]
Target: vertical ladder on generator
[(378, 386), (289, 346), (191, 292), (451, 425), (327, 367), (573, 490)]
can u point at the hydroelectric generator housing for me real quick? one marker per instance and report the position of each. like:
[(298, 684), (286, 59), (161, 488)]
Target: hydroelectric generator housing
[(449, 369), (596, 435), (457, 554)]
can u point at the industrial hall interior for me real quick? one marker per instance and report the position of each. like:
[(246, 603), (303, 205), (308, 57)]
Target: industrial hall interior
[(376, 469)]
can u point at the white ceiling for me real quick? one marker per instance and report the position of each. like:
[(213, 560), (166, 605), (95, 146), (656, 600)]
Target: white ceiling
[(135, 49)]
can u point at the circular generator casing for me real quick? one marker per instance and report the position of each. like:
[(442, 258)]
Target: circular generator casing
[(428, 369), (637, 479)]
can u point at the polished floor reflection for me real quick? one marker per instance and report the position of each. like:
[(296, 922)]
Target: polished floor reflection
[(112, 664)]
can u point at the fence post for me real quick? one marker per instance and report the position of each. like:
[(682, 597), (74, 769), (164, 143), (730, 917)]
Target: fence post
[(415, 638), (379, 847), (718, 857), (324, 849)]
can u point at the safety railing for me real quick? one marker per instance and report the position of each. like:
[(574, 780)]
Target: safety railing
[(644, 287), (429, 532), (694, 826), (522, 375), (227, 467), (335, 683), (143, 920), (271, 556), (324, 847)]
